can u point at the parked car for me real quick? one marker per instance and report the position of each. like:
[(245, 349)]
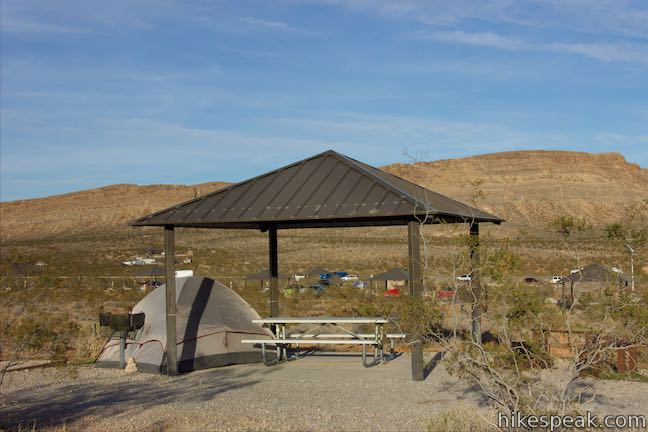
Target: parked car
[(465, 277), (556, 279), (575, 270), (531, 280), (445, 294), (614, 269), (350, 278)]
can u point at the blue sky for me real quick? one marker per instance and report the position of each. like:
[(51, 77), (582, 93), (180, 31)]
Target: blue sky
[(97, 93)]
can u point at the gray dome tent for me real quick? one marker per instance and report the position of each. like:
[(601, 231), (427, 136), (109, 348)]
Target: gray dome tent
[(211, 320)]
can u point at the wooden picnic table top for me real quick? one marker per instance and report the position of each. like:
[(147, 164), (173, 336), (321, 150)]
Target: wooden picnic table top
[(322, 320)]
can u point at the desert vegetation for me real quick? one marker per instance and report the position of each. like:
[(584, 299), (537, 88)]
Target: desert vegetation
[(537, 346)]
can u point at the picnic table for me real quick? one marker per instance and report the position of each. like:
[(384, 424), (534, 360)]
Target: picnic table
[(315, 335)]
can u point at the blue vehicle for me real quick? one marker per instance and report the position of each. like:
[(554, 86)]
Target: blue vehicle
[(329, 276)]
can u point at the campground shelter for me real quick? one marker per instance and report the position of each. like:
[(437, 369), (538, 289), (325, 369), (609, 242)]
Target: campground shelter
[(315, 273), (594, 277), (328, 190), (392, 277)]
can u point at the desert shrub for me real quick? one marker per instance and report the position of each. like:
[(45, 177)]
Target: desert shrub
[(89, 341), (41, 336), (501, 264), (419, 318), (460, 420)]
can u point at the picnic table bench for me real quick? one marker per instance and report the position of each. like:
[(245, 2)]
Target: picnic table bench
[(313, 336)]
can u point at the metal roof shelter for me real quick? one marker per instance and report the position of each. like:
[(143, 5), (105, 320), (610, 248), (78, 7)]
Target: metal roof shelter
[(596, 273), (326, 190), (396, 274), (316, 272), (592, 273)]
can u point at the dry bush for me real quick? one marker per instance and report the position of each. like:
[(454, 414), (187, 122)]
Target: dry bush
[(89, 341), (461, 419)]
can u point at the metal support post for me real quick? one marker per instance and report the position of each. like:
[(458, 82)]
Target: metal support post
[(171, 347)]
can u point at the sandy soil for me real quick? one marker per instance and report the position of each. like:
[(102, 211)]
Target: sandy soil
[(318, 393)]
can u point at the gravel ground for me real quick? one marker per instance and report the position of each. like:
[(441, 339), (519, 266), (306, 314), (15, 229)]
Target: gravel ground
[(318, 393)]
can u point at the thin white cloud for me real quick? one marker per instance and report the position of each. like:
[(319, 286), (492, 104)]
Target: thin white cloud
[(438, 134), (270, 25), (486, 39), (627, 18), (11, 21), (605, 52)]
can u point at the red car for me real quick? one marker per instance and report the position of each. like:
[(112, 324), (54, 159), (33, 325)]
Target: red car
[(445, 294)]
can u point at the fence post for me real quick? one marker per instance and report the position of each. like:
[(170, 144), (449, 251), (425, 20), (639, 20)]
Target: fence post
[(417, 361)]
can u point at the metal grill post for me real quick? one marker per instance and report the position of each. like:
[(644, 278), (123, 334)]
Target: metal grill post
[(171, 347), (418, 373)]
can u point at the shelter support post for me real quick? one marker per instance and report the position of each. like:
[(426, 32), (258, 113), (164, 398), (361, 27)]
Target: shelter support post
[(274, 272), (418, 367), (171, 345), (475, 284), (414, 246)]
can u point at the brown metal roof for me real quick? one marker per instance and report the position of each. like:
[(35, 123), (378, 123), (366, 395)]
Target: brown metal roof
[(596, 273), (326, 190), (396, 274), (316, 271)]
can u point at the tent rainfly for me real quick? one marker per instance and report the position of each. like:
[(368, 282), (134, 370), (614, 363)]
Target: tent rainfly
[(324, 191), (211, 322)]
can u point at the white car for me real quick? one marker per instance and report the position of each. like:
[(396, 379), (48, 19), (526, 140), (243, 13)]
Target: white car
[(556, 279), (350, 278), (465, 277)]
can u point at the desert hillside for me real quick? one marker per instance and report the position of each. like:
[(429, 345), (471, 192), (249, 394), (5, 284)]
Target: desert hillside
[(527, 188), (101, 210)]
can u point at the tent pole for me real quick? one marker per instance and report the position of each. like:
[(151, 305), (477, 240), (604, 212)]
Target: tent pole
[(274, 271), (414, 247), (475, 284), (169, 255)]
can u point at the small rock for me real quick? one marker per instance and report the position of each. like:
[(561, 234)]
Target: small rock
[(131, 366)]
